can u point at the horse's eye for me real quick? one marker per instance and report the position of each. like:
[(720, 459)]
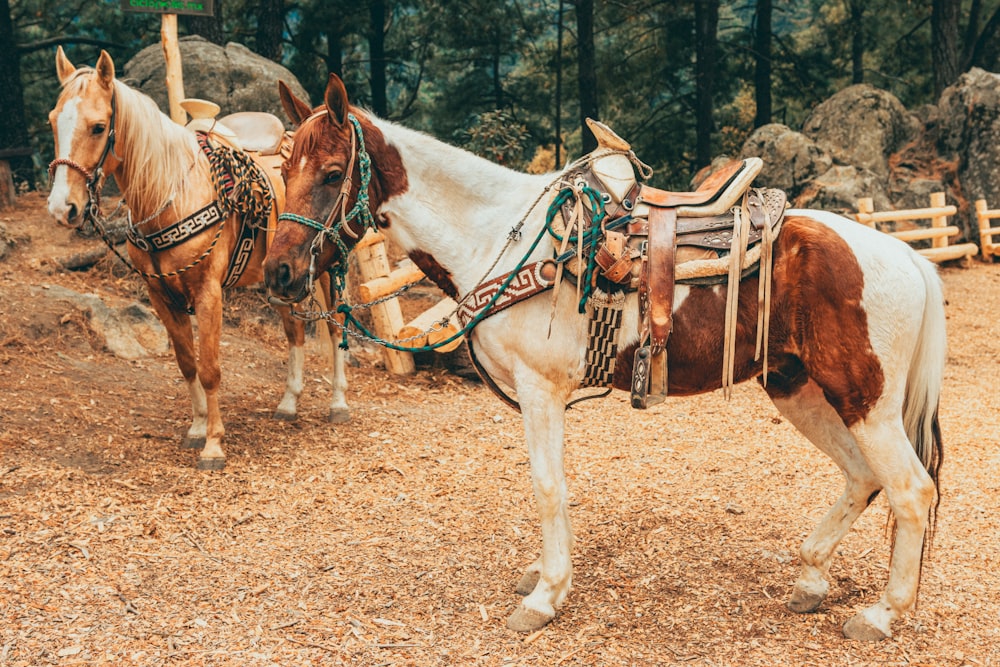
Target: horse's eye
[(97, 130), (333, 177)]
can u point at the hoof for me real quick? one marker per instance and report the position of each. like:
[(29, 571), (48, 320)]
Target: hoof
[(804, 602), (339, 415), (861, 629), (215, 463), (528, 620), (192, 443), (285, 416), (528, 582)]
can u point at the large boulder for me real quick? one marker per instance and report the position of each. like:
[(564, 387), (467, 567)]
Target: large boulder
[(840, 188), (234, 77), (968, 133), (862, 126), (791, 159)]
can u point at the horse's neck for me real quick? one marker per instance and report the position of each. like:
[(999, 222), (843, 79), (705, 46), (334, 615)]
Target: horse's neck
[(159, 162), (460, 208)]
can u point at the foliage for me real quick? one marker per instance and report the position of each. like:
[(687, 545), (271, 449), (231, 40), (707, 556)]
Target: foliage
[(484, 72)]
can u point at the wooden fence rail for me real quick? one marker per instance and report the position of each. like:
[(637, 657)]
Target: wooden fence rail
[(938, 232), (387, 317)]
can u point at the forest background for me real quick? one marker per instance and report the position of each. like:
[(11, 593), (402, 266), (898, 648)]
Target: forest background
[(683, 80)]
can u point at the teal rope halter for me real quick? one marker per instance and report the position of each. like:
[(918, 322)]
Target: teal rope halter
[(361, 209)]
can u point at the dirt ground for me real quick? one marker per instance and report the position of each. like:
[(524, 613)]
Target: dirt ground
[(397, 538)]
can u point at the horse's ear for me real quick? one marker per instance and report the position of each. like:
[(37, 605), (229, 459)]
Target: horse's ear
[(335, 98), (105, 69), (64, 68), (296, 109)]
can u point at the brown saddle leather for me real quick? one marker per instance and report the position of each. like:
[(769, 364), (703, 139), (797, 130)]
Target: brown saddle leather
[(716, 195)]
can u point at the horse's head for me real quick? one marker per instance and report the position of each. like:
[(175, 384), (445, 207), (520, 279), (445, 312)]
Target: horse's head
[(331, 192), (83, 123)]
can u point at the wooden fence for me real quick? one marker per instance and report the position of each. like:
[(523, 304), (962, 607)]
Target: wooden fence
[(387, 317), (938, 233), (987, 232)]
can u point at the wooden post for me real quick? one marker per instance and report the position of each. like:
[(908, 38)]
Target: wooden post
[(175, 74), (939, 220), (6, 186), (866, 206), (387, 317), (987, 231)]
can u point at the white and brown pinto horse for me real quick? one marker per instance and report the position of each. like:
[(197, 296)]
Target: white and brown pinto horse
[(856, 346), (101, 126)]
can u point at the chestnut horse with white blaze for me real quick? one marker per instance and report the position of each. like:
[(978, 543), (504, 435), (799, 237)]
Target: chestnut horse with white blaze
[(189, 245), (854, 350)]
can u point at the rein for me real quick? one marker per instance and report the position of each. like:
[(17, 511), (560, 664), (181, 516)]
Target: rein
[(335, 226)]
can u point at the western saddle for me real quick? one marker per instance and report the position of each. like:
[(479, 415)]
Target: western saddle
[(653, 239)]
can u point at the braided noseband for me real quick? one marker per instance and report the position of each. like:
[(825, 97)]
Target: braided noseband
[(95, 177), (336, 225)]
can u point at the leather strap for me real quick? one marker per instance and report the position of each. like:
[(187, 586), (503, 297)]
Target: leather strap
[(660, 269)]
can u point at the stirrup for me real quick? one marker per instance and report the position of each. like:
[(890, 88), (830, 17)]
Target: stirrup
[(649, 377)]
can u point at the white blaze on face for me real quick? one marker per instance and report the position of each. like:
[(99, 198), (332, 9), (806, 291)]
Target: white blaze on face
[(65, 127)]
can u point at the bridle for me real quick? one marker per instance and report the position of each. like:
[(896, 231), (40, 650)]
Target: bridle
[(336, 225), (95, 176)]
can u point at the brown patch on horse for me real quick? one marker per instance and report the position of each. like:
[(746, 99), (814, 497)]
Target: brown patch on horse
[(437, 273), (823, 287), (812, 335)]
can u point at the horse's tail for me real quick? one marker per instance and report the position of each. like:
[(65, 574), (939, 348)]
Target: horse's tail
[(923, 383)]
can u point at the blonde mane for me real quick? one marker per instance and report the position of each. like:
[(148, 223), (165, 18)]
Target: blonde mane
[(158, 155)]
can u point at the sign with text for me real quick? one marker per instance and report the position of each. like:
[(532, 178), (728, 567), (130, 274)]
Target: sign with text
[(196, 7)]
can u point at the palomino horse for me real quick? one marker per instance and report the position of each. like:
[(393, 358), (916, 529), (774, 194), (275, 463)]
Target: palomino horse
[(102, 126), (855, 346)]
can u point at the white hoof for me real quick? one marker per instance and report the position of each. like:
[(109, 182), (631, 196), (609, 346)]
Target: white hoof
[(528, 620)]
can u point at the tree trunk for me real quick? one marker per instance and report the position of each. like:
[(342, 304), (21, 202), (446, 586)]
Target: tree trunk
[(762, 63), (587, 65), (270, 28), (944, 43), (14, 128), (335, 54), (376, 48), (209, 27), (857, 41), (706, 20)]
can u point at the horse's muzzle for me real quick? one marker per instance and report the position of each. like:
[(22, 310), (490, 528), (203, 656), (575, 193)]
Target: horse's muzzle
[(284, 286)]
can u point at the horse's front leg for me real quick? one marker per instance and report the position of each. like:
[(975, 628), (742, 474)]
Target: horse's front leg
[(208, 310), (295, 335), (544, 426), (181, 333), (339, 412)]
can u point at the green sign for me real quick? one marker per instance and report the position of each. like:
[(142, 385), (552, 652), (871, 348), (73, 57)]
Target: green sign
[(198, 7)]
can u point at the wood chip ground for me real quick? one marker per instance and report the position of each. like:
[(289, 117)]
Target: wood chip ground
[(396, 539)]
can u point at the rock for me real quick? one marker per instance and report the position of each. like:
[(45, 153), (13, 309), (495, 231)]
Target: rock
[(840, 188), (128, 332), (9, 241), (862, 126), (233, 77), (969, 134), (791, 159)]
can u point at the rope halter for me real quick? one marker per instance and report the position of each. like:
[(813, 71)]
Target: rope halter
[(336, 224), (95, 176)]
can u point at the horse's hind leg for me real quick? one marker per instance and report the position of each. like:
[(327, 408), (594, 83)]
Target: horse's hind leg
[(208, 310), (181, 333), (910, 492), (808, 410)]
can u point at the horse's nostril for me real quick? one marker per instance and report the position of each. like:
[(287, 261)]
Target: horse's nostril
[(284, 275), (72, 213)]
